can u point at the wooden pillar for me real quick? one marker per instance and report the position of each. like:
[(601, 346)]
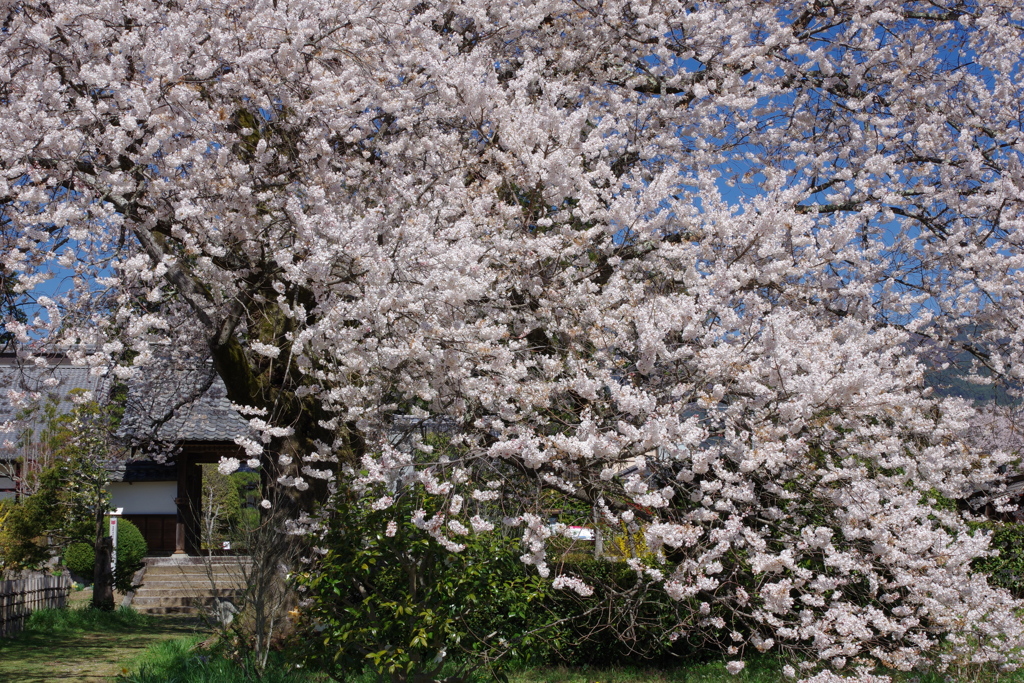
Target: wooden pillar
[(181, 502), (193, 497)]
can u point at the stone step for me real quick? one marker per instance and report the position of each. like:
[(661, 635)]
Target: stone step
[(189, 590), (191, 587), (195, 585), (180, 591), (197, 581), (192, 561), (195, 578), (175, 600), (193, 569), (183, 585), (174, 609)]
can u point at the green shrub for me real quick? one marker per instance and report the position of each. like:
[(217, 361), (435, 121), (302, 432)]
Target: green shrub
[(1007, 569), (25, 525), (460, 610), (594, 631), (80, 558), (131, 549)]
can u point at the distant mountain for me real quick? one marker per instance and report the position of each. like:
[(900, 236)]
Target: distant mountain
[(953, 380)]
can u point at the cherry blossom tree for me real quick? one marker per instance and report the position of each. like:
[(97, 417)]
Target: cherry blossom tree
[(667, 259)]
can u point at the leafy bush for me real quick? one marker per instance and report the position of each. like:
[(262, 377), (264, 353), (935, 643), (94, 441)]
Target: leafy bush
[(1007, 569), (27, 526), (392, 598), (594, 632), (131, 549), (80, 558)]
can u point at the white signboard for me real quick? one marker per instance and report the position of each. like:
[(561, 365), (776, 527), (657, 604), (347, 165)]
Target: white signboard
[(114, 516)]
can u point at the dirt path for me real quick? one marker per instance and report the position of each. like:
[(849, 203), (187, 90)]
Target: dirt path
[(87, 657)]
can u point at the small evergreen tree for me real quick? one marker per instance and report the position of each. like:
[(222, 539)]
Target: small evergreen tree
[(27, 526), (84, 450), (70, 502)]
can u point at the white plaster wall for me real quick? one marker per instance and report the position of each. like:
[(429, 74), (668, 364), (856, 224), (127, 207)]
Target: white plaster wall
[(144, 497), (6, 483)]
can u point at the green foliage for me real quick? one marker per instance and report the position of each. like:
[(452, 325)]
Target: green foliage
[(69, 498), (220, 505), (131, 549), (183, 660), (31, 527), (404, 606), (1007, 569), (81, 443), (227, 509), (67, 621), (594, 632), (80, 558), (23, 542), (72, 488)]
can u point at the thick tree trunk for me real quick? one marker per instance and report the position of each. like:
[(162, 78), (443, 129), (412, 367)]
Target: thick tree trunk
[(103, 578), (271, 388)]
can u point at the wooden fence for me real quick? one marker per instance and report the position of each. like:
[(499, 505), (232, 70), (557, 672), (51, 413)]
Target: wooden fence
[(19, 598)]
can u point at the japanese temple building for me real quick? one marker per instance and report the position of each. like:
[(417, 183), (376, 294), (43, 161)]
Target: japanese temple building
[(160, 495)]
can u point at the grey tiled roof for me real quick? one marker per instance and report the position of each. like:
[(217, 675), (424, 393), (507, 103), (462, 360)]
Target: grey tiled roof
[(51, 382), (143, 470), (197, 415), (174, 409), (54, 381)]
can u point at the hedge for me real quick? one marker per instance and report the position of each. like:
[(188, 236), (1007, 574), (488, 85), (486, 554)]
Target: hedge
[(80, 558)]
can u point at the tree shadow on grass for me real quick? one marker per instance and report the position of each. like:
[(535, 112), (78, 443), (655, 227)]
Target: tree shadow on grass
[(90, 656)]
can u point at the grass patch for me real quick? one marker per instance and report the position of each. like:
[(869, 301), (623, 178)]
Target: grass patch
[(760, 668), (82, 645), (182, 661), (74, 620), (757, 671)]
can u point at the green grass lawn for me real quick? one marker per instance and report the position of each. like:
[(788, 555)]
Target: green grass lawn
[(82, 644), (179, 661), (690, 673), (764, 670)]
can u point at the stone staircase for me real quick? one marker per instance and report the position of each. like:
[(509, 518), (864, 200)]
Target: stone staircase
[(172, 585)]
